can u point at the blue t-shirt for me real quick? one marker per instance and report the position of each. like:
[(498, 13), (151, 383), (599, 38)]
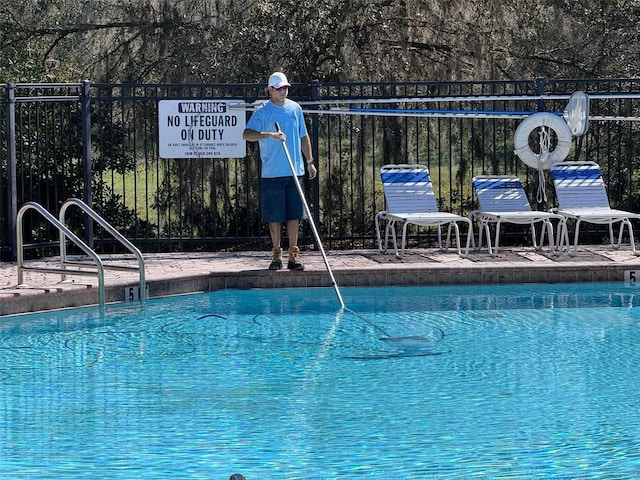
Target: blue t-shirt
[(291, 120)]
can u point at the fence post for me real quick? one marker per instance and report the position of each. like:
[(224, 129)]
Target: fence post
[(540, 82), (12, 183), (86, 158), (315, 149)]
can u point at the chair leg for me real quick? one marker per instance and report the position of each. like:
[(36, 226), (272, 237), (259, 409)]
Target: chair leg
[(488, 239), (378, 237), (631, 238), (390, 227), (394, 236), (497, 241), (611, 235), (470, 220), (559, 235), (457, 233), (404, 240), (562, 236), (543, 230), (549, 226), (620, 233), (575, 238), (627, 222), (470, 238), (533, 236), (452, 224), (484, 229)]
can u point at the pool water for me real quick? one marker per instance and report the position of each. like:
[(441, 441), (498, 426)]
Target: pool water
[(517, 381)]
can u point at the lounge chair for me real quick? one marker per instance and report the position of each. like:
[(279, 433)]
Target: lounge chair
[(410, 200), (503, 200), (582, 197)]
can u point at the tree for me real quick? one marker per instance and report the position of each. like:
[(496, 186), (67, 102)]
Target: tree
[(331, 40)]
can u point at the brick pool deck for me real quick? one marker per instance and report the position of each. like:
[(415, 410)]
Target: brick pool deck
[(178, 273)]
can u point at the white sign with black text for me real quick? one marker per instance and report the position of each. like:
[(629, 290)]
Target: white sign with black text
[(201, 129)]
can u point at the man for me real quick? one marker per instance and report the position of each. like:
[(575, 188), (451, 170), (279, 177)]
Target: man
[(280, 199)]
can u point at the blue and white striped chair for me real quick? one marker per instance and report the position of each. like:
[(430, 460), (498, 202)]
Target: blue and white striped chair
[(410, 200), (582, 197), (502, 199)]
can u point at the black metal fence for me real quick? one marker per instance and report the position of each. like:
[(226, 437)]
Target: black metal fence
[(100, 143)]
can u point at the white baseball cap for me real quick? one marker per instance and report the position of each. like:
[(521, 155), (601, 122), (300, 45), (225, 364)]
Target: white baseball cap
[(278, 79)]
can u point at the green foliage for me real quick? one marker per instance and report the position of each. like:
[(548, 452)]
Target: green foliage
[(113, 210), (196, 196), (331, 40)]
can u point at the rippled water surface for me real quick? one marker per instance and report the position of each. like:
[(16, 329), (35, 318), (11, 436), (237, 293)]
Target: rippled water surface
[(535, 381)]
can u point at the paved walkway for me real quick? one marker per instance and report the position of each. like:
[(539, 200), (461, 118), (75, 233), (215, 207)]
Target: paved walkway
[(176, 273)]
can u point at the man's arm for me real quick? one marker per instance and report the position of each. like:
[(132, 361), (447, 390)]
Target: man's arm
[(305, 143), (254, 135)]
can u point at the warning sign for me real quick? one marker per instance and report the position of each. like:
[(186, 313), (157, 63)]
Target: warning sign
[(200, 129)]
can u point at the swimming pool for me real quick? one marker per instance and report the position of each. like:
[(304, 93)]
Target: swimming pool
[(517, 381)]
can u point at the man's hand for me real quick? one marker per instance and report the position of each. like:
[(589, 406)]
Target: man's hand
[(313, 171)]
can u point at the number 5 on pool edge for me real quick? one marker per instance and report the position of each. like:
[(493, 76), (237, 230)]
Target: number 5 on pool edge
[(630, 277), (132, 294)]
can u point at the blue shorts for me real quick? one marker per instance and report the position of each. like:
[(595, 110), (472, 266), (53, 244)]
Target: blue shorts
[(280, 200)]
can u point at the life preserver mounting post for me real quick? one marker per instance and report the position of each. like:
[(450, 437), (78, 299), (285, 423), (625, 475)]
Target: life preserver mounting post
[(546, 157)]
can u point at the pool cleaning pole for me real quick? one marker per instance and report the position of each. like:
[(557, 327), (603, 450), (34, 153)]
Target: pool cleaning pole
[(313, 225)]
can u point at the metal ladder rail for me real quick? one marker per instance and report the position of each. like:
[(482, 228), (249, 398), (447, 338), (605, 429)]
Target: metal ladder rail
[(99, 272), (109, 228)]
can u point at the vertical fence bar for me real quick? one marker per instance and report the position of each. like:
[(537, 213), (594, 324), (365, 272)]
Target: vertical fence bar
[(86, 158), (315, 130), (12, 181)]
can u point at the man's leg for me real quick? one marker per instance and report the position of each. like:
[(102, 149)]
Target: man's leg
[(294, 258), (275, 233), (292, 231)]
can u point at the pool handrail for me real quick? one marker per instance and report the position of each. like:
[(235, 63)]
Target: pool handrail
[(115, 233), (99, 272)]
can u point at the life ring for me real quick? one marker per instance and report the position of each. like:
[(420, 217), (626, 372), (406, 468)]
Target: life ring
[(546, 157)]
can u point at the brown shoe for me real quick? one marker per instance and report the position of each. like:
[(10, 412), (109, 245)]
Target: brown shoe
[(276, 263), (294, 259)]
